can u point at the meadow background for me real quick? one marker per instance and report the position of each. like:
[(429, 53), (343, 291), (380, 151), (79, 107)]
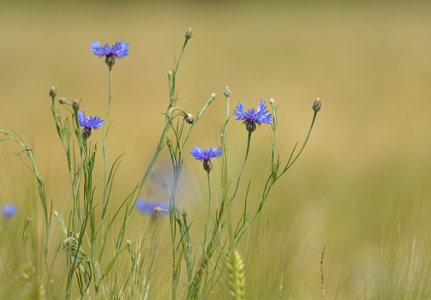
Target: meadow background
[(362, 186)]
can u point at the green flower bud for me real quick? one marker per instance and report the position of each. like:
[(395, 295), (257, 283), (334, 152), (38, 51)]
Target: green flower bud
[(317, 105), (189, 118), (188, 34), (227, 92), (75, 105), (53, 92)]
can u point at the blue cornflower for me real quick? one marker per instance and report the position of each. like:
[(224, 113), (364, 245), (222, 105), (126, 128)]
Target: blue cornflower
[(92, 122), (153, 208), (118, 50), (251, 117), (8, 210), (205, 155)]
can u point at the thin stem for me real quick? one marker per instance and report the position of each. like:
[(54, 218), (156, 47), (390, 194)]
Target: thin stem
[(242, 168), (288, 165), (105, 160), (208, 225)]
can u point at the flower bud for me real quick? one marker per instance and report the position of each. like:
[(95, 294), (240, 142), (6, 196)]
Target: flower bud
[(189, 118), (62, 100), (188, 34), (271, 101), (227, 92), (75, 105), (53, 92), (128, 242), (317, 105)]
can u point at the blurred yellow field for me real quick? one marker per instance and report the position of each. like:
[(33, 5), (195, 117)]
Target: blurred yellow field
[(361, 188)]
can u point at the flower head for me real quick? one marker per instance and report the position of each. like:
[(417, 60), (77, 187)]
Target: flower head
[(153, 208), (205, 155), (119, 49), (92, 122), (251, 117), (8, 210)]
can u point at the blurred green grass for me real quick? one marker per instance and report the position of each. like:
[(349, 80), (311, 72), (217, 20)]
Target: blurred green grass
[(362, 186)]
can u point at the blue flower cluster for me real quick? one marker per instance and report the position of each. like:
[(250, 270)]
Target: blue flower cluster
[(118, 50), (251, 117)]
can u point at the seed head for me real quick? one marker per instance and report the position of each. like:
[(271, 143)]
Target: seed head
[(317, 105), (53, 92)]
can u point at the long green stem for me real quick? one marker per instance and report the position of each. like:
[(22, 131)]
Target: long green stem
[(105, 127), (289, 164), (242, 167), (208, 225)]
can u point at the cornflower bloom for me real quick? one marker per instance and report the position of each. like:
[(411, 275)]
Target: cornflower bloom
[(205, 155), (153, 208), (251, 117), (92, 122), (8, 210), (118, 50)]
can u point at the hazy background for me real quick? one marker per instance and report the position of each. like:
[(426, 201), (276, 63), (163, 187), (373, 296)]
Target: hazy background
[(362, 187)]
